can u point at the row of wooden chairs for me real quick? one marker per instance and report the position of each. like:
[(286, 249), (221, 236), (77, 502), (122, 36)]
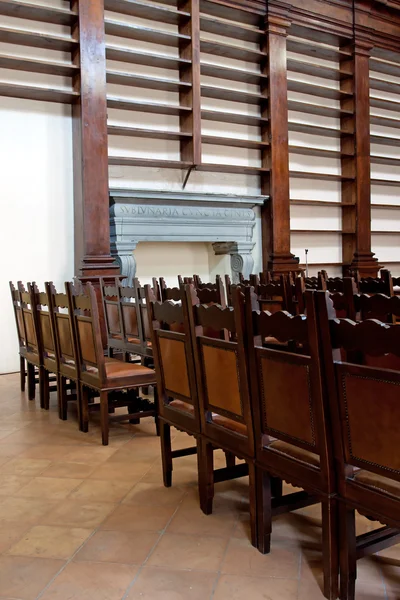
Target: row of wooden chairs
[(59, 333), (313, 413)]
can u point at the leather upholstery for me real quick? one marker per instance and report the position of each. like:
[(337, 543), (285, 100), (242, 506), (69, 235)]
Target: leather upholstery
[(379, 483), (116, 368), (372, 414), (30, 329), (47, 338), (286, 399), (184, 406), (229, 424), (112, 318), (129, 315), (174, 366), (85, 334), (64, 335), (222, 379), (295, 452)]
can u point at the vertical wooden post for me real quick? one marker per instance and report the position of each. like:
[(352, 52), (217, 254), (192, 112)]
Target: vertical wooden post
[(190, 73), (356, 163), (276, 211), (91, 201)]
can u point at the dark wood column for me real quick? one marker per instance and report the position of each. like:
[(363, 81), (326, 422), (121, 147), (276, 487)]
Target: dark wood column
[(276, 212), (91, 202), (356, 162)]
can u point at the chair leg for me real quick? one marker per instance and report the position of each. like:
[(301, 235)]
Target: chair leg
[(110, 352), (62, 397), (156, 416), (230, 459), (348, 559), (31, 381), (83, 407), (276, 487), (330, 547), (166, 453), (104, 417), (253, 503), (205, 462), (44, 388), (22, 372), (264, 511)]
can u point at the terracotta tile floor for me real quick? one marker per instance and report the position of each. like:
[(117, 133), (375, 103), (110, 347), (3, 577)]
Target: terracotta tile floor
[(82, 522)]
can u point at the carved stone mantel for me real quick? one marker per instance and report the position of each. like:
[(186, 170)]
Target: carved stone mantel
[(226, 221)]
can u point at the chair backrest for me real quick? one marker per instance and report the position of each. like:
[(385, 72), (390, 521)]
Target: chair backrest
[(364, 401), (170, 293), (112, 311), (381, 307), (143, 314), (61, 324), (221, 370), (286, 387), (276, 295), (28, 319), (343, 302), (45, 334), (86, 330), (173, 360), (378, 285), (16, 300)]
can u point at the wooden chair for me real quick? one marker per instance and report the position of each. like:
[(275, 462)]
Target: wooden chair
[(343, 301), (223, 393), (121, 319), (175, 373), (167, 293), (32, 354), (276, 295), (46, 342), (67, 369), (378, 285), (292, 437), (95, 371), (16, 300), (365, 413)]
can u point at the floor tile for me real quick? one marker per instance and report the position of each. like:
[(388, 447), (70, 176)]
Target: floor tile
[(26, 577), (91, 581), (27, 467), (243, 559), (153, 494), (114, 471), (10, 533), (236, 587), (139, 518), (10, 484), (23, 510), (101, 491), (49, 488), (74, 513), (118, 546), (47, 541), (69, 470), (189, 552), (155, 583)]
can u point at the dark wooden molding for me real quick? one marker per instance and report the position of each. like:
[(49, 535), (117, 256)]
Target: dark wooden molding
[(276, 211), (91, 202)]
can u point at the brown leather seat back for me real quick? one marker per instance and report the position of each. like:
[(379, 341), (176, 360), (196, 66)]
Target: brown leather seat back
[(286, 389), (112, 315), (16, 300), (28, 319), (41, 308), (62, 327), (221, 370), (173, 359)]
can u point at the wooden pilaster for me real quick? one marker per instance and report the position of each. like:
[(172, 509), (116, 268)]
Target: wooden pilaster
[(276, 212), (356, 163), (91, 201)]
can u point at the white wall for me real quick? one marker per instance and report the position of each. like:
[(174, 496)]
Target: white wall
[(36, 188)]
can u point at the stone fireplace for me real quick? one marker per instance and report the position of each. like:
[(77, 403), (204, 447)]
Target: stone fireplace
[(225, 221)]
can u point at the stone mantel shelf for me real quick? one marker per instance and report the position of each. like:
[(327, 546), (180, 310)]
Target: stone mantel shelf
[(225, 220)]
